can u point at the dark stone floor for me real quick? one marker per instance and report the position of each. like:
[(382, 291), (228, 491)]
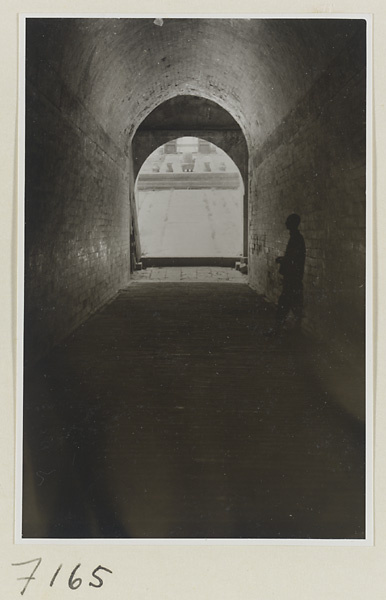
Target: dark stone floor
[(168, 414)]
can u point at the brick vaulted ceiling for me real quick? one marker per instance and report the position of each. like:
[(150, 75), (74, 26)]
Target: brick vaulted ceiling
[(122, 69)]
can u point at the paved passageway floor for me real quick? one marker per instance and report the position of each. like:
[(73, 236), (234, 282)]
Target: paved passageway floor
[(168, 414), (169, 220), (189, 274)]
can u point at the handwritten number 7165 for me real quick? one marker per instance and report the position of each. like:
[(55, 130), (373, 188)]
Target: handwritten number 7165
[(74, 581)]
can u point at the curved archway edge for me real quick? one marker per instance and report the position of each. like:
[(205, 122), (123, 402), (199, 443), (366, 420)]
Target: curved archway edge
[(199, 117)]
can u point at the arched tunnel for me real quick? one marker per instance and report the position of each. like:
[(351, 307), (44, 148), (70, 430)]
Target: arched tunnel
[(197, 117), (286, 100)]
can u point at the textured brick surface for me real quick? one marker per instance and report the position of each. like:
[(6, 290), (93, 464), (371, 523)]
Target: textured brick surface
[(295, 88), (189, 274), (77, 220), (314, 164), (169, 414)]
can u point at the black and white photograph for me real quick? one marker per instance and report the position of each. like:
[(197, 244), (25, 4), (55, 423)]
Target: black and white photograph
[(195, 215)]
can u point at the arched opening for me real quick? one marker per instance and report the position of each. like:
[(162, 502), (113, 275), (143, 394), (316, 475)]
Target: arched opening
[(198, 117), (131, 428), (189, 200)]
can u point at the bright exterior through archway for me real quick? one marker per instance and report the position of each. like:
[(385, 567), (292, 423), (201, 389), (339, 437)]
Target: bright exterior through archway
[(190, 202)]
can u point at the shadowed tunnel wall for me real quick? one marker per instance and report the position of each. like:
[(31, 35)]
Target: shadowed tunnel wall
[(295, 89)]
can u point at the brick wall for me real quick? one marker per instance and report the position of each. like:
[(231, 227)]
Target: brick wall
[(91, 82), (77, 217), (314, 164)]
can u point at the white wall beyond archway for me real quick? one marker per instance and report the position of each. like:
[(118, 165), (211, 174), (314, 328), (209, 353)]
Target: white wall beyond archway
[(198, 214)]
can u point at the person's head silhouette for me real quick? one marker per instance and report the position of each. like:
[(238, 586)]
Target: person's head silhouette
[(292, 222)]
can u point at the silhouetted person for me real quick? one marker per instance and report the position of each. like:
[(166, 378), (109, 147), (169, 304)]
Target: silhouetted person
[(292, 269)]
